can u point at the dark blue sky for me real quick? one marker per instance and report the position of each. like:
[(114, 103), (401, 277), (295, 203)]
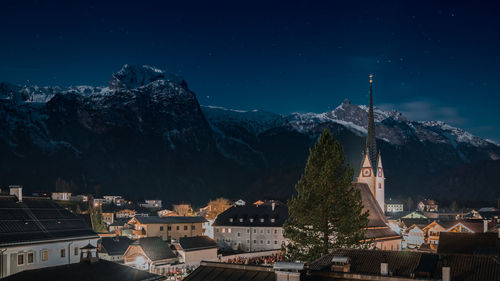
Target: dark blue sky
[(431, 60)]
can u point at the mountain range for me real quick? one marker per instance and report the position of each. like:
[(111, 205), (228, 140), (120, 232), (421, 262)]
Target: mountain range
[(146, 136)]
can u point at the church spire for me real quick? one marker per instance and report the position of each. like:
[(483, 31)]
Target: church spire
[(371, 141)]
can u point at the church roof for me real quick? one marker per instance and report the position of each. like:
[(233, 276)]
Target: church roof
[(371, 139)]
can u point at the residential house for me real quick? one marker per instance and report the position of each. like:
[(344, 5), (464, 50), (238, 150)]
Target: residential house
[(166, 213), (125, 213), (108, 217), (251, 227), (193, 250), (415, 237), (35, 233), (98, 202), (117, 225), (432, 232), (394, 206), (167, 227), (428, 205), (151, 204), (113, 248), (63, 196), (150, 254), (114, 199), (79, 198)]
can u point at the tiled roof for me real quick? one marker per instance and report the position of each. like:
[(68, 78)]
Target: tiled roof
[(469, 243), (405, 264), (252, 215), (155, 248), (115, 245), (172, 219), (197, 243), (229, 272), (38, 219), (99, 271)]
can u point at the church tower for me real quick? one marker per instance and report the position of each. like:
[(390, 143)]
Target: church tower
[(372, 172)]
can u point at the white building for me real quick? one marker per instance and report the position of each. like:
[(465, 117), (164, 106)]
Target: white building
[(394, 206), (114, 199), (251, 227), (152, 204), (39, 233), (64, 196), (414, 237)]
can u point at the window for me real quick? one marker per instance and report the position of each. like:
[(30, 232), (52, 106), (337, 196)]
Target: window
[(251, 219), (177, 227), (161, 228), (230, 219), (254, 230), (45, 255), (255, 241), (63, 253), (241, 219), (262, 231), (76, 251), (268, 231), (185, 227), (261, 241), (275, 242), (239, 234), (223, 230), (248, 241), (273, 220), (268, 242), (31, 257), (229, 230), (216, 230), (20, 259), (169, 228), (248, 230), (275, 231), (262, 220), (193, 227)]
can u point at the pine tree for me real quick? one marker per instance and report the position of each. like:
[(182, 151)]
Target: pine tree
[(326, 212)]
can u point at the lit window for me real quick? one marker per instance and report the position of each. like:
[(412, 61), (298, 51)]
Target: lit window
[(273, 220), (223, 230), (45, 255), (230, 219), (229, 230), (241, 220), (261, 220), (31, 258), (20, 259), (251, 219)]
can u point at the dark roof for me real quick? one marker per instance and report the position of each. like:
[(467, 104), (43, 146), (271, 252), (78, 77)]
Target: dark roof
[(241, 215), (405, 263), (155, 248), (172, 219), (224, 272), (197, 243), (119, 222), (102, 270), (38, 219), (469, 243), (376, 218), (115, 245)]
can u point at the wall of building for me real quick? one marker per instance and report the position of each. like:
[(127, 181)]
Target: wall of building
[(170, 231), (53, 250), (194, 257), (249, 238), (390, 245)]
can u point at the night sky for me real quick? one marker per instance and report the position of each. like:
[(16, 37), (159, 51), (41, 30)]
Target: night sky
[(430, 60)]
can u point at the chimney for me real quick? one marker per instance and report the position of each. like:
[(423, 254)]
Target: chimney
[(288, 271), (384, 269), (16, 190), (485, 226), (446, 273), (340, 264)]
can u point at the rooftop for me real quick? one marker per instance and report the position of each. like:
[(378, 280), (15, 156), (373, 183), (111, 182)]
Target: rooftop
[(469, 243), (155, 248), (172, 219), (254, 215), (197, 243), (115, 245), (224, 272)]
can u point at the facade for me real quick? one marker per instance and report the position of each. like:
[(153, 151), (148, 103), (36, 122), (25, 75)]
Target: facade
[(372, 171), (108, 217), (427, 205), (150, 254), (251, 227), (151, 204), (37, 233), (415, 237), (167, 228), (64, 196), (394, 206), (125, 213), (193, 250)]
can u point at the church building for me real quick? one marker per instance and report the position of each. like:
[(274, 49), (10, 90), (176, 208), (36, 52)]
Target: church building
[(372, 171)]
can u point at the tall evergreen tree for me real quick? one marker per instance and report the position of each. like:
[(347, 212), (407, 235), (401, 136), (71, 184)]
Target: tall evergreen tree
[(326, 212)]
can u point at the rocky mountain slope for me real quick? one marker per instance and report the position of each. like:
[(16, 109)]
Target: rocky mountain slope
[(145, 135)]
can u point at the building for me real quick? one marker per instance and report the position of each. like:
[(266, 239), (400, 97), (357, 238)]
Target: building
[(36, 233), (150, 254), (151, 204), (372, 171), (117, 225), (125, 213), (414, 237), (394, 206), (432, 232), (193, 250), (113, 248), (427, 205), (83, 271), (63, 196), (98, 202), (108, 217), (79, 198), (167, 227), (251, 227), (166, 213)]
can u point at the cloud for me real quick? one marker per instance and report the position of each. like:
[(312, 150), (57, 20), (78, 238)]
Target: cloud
[(425, 110)]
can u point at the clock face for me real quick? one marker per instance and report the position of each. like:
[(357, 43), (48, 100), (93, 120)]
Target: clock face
[(366, 172), (379, 172)]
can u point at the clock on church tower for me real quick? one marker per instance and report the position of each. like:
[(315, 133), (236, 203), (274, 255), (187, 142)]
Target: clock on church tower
[(366, 172)]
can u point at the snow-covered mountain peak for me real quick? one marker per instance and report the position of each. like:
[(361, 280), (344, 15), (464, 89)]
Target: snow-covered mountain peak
[(135, 76)]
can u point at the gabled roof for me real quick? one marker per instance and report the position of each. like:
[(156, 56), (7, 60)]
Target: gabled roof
[(228, 272), (114, 246), (38, 219), (172, 219), (197, 243), (251, 215), (469, 243), (155, 248), (99, 271)]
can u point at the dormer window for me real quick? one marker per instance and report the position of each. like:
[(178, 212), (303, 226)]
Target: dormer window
[(241, 219), (262, 220), (273, 220), (230, 219), (251, 219)]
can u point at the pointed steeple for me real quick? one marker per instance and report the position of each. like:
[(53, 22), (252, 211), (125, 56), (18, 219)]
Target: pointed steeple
[(371, 140)]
